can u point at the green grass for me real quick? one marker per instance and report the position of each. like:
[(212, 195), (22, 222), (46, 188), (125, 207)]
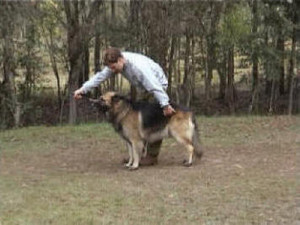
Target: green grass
[(72, 175)]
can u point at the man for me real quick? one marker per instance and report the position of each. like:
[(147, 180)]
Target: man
[(141, 72)]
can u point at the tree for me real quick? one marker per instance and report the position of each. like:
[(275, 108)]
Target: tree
[(215, 11), (255, 75), (10, 104), (50, 28), (79, 34), (154, 15), (189, 39), (292, 62), (276, 25), (234, 30)]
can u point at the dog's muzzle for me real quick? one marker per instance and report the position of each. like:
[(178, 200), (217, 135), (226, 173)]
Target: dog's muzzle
[(99, 104)]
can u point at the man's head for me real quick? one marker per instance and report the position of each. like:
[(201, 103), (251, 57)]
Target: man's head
[(114, 60)]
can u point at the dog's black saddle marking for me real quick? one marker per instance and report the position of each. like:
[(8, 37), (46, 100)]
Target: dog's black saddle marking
[(152, 115)]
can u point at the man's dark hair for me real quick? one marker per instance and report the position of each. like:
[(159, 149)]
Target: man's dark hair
[(111, 55)]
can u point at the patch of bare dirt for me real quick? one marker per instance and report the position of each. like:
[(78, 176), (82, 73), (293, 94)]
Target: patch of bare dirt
[(252, 182)]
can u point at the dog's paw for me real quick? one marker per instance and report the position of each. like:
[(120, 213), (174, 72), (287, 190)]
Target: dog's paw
[(186, 163), (131, 168), (127, 165)]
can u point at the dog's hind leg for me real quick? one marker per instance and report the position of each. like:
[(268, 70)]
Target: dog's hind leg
[(190, 150), (184, 135), (187, 142)]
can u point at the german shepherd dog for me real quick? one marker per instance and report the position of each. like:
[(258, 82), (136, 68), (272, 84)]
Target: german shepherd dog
[(139, 123)]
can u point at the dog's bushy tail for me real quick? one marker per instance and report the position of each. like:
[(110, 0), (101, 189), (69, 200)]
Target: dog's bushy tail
[(196, 139)]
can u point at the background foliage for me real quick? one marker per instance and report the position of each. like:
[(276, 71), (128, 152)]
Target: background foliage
[(221, 57)]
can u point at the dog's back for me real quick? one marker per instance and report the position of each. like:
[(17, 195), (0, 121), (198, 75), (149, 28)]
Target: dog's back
[(152, 114)]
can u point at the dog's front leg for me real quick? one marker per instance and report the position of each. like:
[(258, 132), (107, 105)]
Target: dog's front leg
[(136, 149), (130, 152)]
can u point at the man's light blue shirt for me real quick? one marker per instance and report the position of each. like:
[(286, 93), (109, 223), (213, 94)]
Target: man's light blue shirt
[(141, 71)]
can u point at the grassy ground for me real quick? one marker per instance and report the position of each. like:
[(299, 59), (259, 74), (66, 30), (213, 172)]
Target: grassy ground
[(73, 175)]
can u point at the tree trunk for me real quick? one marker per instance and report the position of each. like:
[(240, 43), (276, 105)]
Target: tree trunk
[(133, 24), (135, 35), (208, 75), (222, 70), (10, 93), (171, 64), (230, 84), (113, 42), (186, 77), (186, 87), (29, 75), (209, 68), (292, 62), (78, 37), (86, 63), (268, 73), (255, 84), (157, 39), (215, 15), (178, 74), (9, 82), (97, 51), (97, 48), (193, 69), (72, 35), (113, 38), (273, 95), (50, 47), (280, 48)]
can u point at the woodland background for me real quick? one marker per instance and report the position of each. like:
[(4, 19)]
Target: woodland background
[(221, 57)]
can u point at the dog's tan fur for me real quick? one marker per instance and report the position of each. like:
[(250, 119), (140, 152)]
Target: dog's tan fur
[(128, 123)]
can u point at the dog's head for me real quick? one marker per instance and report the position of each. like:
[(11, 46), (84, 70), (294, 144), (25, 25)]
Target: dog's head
[(107, 101)]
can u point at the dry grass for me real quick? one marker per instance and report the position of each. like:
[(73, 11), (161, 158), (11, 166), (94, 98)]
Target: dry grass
[(73, 175)]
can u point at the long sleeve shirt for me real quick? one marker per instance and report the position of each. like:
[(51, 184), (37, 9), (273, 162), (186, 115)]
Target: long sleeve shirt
[(141, 71)]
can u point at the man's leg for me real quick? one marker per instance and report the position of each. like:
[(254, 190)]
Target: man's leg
[(152, 154)]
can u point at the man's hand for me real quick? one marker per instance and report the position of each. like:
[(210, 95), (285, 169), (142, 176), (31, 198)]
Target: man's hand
[(168, 110), (78, 94)]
